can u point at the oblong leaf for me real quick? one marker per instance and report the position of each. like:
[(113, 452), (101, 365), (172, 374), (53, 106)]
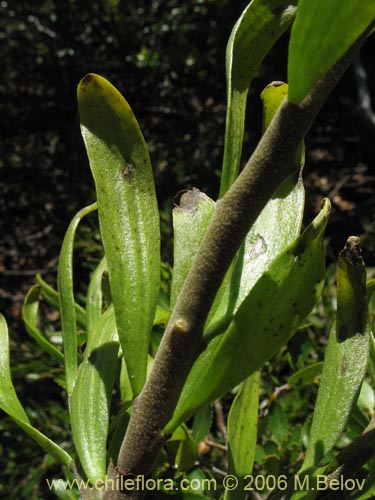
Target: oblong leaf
[(190, 222), (306, 375), (66, 298), (91, 398), (10, 403), (279, 223), (242, 434), (128, 214), (94, 303), (322, 32), (258, 28), (30, 317), (264, 322), (44, 442), (276, 227), (346, 357)]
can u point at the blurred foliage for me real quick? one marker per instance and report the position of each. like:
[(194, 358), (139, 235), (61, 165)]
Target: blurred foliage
[(149, 49)]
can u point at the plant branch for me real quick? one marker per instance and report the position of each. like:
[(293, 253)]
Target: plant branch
[(364, 96), (355, 455), (271, 163)]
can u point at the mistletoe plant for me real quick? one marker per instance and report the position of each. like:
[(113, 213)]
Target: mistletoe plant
[(244, 278)]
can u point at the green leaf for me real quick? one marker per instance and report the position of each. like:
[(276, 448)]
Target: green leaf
[(190, 222), (278, 423), (306, 375), (202, 423), (9, 401), (366, 399), (258, 28), (242, 434), (128, 215), (125, 385), (66, 297), (268, 238), (162, 315), (117, 429), (346, 358), (371, 364), (11, 405), (322, 32), (187, 453), (370, 285), (199, 483), (264, 322), (30, 317), (51, 296), (94, 303), (277, 226), (91, 398)]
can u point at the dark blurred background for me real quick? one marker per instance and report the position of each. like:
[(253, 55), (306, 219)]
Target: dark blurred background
[(168, 59)]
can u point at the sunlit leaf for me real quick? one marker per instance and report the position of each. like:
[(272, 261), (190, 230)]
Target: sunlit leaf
[(265, 321), (66, 298), (242, 435), (277, 226), (346, 357), (190, 221), (30, 317), (94, 303), (11, 405), (128, 215), (91, 398), (322, 32), (256, 31)]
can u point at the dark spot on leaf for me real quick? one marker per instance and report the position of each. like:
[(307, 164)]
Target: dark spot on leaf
[(256, 247), (300, 248), (343, 367), (128, 172), (87, 79)]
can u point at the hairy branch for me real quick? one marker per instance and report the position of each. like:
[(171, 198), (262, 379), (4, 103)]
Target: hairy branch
[(271, 163)]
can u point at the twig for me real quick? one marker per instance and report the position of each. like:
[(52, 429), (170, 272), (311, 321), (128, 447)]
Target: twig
[(219, 446), (363, 93), (220, 419)]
